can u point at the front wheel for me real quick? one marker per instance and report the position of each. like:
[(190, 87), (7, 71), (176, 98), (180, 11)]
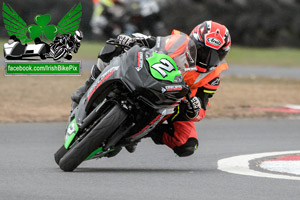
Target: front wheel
[(106, 127), (60, 153)]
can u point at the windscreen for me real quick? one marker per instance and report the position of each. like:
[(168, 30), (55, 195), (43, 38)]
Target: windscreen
[(180, 48)]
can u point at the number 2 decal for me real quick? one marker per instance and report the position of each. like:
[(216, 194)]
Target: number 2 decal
[(163, 65)]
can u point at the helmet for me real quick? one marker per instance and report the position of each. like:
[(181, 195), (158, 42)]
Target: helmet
[(78, 35), (213, 43)]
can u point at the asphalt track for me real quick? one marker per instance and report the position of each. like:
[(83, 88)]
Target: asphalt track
[(28, 170)]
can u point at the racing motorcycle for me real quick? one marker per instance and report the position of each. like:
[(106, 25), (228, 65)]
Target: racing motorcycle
[(62, 48), (135, 93)]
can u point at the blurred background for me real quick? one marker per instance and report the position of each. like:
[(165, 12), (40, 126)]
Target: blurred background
[(264, 70), (263, 23)]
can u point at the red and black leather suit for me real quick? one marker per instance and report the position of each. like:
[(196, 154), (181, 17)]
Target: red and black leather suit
[(180, 133)]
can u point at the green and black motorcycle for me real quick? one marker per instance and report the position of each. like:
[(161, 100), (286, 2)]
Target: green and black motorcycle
[(135, 93)]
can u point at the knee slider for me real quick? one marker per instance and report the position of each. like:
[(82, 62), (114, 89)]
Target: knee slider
[(187, 149)]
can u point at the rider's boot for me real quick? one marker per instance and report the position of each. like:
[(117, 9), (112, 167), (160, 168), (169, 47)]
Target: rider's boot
[(76, 96), (132, 147), (114, 153)]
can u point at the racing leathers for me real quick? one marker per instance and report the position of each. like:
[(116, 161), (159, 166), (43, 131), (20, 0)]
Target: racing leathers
[(178, 131)]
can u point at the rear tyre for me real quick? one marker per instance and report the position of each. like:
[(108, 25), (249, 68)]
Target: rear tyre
[(106, 127)]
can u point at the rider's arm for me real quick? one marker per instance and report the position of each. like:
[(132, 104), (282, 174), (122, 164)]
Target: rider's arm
[(137, 39), (110, 51), (144, 40), (204, 94)]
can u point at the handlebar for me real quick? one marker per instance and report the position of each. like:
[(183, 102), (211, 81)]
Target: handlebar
[(114, 41)]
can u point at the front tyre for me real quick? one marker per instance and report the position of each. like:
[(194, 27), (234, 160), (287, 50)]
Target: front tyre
[(60, 153), (106, 127)]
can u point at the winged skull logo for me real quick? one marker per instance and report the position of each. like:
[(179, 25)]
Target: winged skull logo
[(15, 25)]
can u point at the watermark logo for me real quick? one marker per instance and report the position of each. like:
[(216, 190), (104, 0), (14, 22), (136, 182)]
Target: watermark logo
[(41, 41), (21, 68), (15, 25)]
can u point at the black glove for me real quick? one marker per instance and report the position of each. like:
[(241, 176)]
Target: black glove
[(136, 38), (192, 111), (144, 40), (126, 40)]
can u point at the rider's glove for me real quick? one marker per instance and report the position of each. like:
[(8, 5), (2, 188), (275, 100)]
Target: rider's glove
[(136, 38), (190, 112), (144, 40), (126, 40)]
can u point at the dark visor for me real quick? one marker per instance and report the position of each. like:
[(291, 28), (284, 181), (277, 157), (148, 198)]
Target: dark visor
[(207, 57)]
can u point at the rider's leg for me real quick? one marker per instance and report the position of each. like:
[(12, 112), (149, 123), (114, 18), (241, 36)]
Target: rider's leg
[(95, 71), (181, 136)]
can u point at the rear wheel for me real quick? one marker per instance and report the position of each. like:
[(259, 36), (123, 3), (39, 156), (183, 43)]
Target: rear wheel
[(107, 126)]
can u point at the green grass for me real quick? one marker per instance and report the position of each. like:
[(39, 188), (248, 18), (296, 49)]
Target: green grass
[(289, 57), (89, 50)]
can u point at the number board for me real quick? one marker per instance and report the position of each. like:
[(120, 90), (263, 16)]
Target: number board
[(163, 67)]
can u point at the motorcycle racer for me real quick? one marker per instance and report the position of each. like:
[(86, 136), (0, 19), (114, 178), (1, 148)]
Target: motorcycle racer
[(70, 40), (213, 43)]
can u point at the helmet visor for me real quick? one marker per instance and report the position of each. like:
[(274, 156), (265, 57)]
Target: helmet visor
[(207, 57)]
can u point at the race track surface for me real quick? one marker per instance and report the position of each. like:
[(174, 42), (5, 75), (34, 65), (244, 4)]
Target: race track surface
[(28, 170)]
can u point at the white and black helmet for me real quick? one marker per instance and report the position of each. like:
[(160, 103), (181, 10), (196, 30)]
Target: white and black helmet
[(78, 35)]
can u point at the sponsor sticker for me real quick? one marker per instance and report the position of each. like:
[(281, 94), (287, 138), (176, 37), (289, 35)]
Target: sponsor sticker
[(140, 61), (214, 41), (171, 88)]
